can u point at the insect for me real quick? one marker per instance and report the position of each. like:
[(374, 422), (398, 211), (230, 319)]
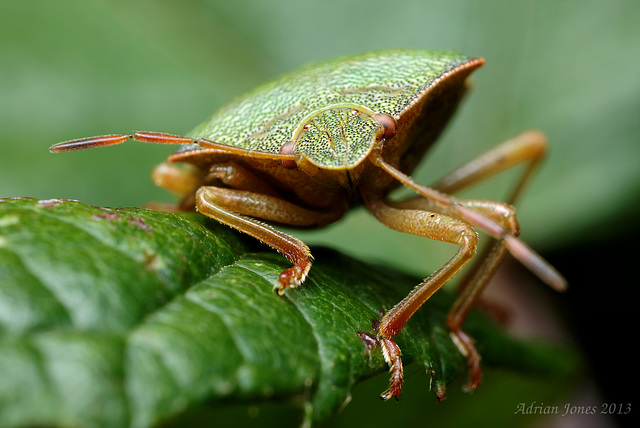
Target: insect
[(303, 149)]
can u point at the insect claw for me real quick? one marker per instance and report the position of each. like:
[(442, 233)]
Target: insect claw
[(279, 288), (289, 278), (369, 340), (385, 396)]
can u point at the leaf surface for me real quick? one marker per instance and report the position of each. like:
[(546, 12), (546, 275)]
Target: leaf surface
[(130, 317)]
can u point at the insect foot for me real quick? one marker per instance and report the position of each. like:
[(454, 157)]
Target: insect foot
[(293, 276), (465, 345), (391, 353), (392, 356)]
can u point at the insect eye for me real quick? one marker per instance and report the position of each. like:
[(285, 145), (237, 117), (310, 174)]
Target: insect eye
[(287, 149), (306, 127), (388, 123), (354, 112)]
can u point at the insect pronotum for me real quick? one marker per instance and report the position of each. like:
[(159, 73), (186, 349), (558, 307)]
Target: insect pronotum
[(303, 149)]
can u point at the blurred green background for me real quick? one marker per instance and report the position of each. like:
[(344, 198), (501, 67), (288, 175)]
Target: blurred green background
[(71, 69)]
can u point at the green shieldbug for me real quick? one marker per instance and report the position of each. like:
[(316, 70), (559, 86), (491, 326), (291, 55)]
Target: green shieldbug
[(303, 149)]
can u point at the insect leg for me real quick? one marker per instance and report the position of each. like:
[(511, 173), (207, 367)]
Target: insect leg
[(457, 208), (236, 208), (432, 225), (474, 282), (234, 175), (182, 181), (528, 147)]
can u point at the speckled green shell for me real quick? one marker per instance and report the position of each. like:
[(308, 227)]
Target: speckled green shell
[(387, 81)]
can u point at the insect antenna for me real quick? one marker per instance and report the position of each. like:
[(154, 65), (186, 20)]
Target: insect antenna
[(111, 140)]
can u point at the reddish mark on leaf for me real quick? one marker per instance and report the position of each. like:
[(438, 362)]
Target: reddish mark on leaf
[(109, 216), (139, 222), (112, 216), (49, 203)]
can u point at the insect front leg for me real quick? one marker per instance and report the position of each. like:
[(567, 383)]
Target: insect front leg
[(429, 224), (181, 181), (237, 208)]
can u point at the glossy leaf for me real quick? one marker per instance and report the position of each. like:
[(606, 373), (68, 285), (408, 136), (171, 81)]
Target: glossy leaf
[(130, 317)]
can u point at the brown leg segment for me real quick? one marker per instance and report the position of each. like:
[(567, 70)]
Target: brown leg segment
[(475, 281), (495, 218), (481, 217), (236, 208), (234, 175), (529, 148), (292, 248), (179, 181), (430, 225)]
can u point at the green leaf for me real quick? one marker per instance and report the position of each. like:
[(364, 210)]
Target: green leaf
[(132, 317)]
